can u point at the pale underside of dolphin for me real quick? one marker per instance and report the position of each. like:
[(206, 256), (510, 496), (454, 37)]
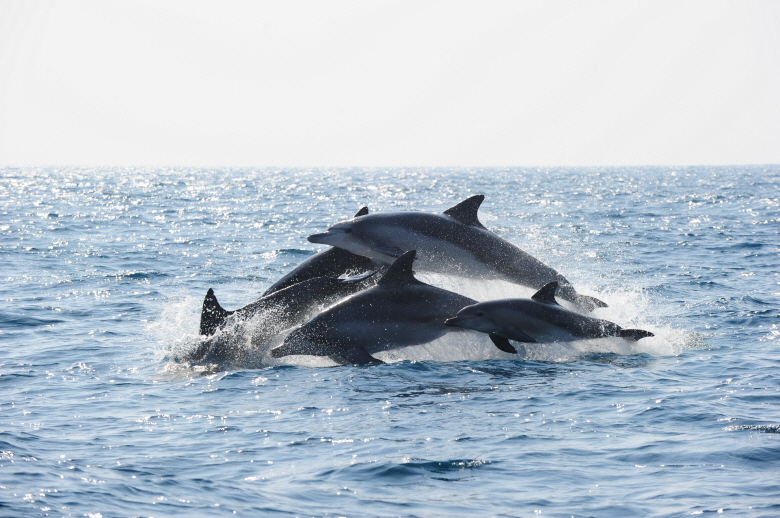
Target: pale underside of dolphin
[(399, 311), (454, 242), (539, 319)]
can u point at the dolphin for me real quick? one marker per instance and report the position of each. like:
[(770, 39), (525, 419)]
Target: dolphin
[(538, 319), (454, 242), (399, 311), (282, 309), (332, 262)]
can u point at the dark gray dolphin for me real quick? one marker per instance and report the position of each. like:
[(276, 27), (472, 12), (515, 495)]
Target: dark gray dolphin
[(282, 309), (399, 311), (454, 242), (333, 262), (538, 319)]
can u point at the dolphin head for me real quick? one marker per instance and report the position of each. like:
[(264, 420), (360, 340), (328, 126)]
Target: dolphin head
[(476, 317), (338, 235), (359, 236)]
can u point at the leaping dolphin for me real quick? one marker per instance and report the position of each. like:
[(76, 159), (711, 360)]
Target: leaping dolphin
[(399, 311), (538, 319), (333, 262), (281, 310), (454, 242)]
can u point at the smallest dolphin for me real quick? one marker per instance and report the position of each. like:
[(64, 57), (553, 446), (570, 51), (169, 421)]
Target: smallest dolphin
[(538, 319)]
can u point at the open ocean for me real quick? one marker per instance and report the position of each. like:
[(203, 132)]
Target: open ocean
[(103, 276)]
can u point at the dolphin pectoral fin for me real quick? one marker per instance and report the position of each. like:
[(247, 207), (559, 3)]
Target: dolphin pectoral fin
[(212, 316), (502, 343), (388, 250), (634, 334), (546, 295), (466, 211), (358, 278), (519, 336), (358, 356)]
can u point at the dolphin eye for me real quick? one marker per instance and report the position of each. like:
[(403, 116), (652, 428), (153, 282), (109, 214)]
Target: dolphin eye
[(347, 230), (480, 313)]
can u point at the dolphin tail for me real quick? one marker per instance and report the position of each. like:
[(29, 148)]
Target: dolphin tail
[(502, 343), (634, 334), (213, 315)]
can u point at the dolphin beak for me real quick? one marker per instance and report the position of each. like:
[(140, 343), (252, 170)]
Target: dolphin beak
[(320, 238), (452, 322)]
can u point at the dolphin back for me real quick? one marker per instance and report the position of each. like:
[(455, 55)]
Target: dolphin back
[(333, 262)]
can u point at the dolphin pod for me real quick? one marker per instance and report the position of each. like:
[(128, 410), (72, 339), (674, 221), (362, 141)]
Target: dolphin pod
[(454, 242), (539, 319), (319, 312), (399, 311)]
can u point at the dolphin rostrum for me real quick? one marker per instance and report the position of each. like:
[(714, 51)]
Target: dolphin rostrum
[(454, 242), (538, 319), (399, 311), (332, 262)]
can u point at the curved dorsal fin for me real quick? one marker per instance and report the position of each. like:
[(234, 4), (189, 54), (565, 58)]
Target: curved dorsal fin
[(546, 294), (400, 272), (466, 211), (362, 212), (212, 316)]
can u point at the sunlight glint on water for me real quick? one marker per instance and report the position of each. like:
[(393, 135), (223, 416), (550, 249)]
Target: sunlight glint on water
[(104, 273)]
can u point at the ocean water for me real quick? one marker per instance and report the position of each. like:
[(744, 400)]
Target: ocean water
[(104, 272)]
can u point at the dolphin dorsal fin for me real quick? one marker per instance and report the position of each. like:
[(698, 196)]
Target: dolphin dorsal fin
[(546, 295), (400, 272), (362, 212), (466, 211), (212, 315)]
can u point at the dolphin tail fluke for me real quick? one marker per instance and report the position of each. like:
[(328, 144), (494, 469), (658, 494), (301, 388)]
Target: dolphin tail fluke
[(213, 315), (634, 334), (359, 356), (502, 343)]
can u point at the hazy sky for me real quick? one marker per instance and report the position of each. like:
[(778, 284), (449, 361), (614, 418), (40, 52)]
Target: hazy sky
[(389, 83)]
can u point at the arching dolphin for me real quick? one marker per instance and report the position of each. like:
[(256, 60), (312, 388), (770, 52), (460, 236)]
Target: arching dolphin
[(333, 262), (538, 319), (399, 311), (454, 242), (281, 310)]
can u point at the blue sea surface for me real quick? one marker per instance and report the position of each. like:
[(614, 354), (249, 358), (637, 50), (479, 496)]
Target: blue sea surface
[(104, 272)]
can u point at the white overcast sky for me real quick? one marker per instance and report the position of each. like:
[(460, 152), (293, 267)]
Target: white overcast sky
[(389, 83)]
